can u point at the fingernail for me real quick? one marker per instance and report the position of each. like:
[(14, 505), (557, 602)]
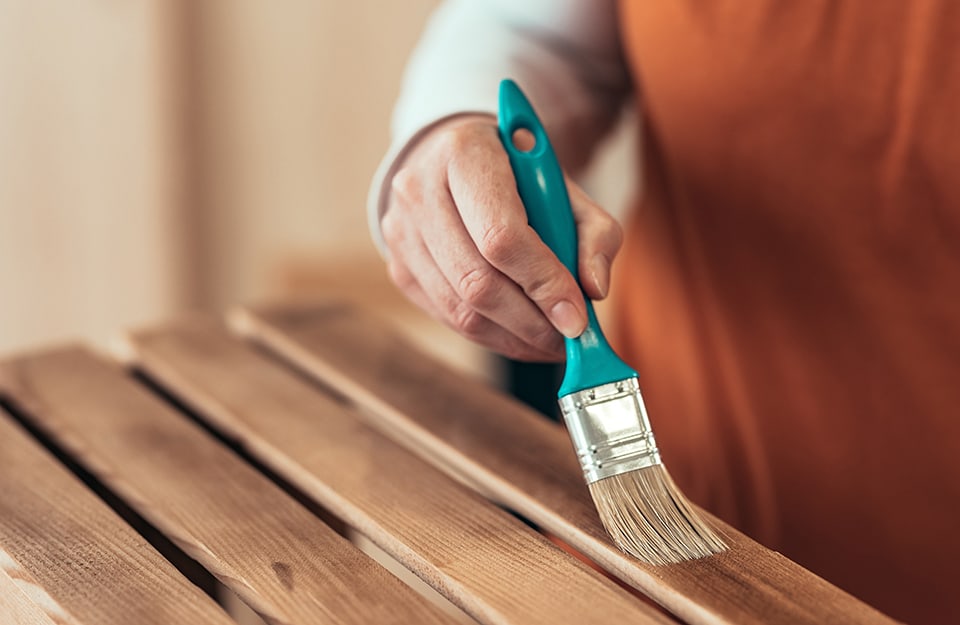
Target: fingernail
[(600, 273), (565, 317)]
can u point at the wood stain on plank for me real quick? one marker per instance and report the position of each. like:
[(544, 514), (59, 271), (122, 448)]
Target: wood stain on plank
[(73, 557), (484, 560), (526, 463), (214, 506)]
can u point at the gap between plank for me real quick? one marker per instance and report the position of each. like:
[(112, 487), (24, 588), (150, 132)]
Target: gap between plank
[(126, 352), (393, 566), (45, 419), (218, 396), (195, 573), (750, 584), (168, 397)]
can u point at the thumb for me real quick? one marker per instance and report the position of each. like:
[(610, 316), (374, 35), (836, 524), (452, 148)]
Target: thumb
[(599, 238)]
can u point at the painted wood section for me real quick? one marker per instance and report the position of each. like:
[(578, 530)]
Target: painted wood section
[(527, 463), (481, 558), (72, 557), (276, 555)]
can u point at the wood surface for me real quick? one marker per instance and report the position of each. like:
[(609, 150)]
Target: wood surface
[(527, 463), (276, 555), (483, 559), (17, 609), (67, 558)]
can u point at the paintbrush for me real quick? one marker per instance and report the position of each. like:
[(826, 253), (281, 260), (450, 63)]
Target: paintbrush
[(640, 506)]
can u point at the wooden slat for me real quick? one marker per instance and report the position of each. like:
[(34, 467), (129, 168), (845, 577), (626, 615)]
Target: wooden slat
[(277, 556), (27, 596), (17, 609), (528, 464), (70, 556), (483, 559)]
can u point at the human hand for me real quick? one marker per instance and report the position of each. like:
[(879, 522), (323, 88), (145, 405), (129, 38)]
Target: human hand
[(459, 245)]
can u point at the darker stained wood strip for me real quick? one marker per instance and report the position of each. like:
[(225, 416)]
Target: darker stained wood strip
[(481, 558), (527, 463), (72, 558), (278, 557)]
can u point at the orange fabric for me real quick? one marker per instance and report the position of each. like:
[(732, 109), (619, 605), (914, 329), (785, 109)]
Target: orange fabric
[(790, 284)]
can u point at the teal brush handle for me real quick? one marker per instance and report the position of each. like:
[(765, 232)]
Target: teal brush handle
[(590, 359)]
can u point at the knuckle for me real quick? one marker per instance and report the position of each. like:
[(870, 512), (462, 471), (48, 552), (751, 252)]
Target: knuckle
[(460, 138), (615, 232), (468, 322), (391, 228), (470, 148), (603, 234), (399, 275), (406, 185), (610, 227), (543, 289), (452, 142), (477, 287), (498, 242)]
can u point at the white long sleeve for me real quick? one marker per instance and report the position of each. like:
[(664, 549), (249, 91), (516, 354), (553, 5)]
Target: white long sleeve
[(565, 54)]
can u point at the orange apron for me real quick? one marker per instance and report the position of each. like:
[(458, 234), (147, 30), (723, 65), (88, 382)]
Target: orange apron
[(789, 287)]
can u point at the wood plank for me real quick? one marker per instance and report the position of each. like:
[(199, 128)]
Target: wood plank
[(483, 559), (527, 463), (72, 557), (277, 556), (17, 609)]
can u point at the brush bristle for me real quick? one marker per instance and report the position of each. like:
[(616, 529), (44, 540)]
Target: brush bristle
[(648, 517)]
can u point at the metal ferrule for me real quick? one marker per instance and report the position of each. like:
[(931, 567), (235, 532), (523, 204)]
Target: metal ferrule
[(610, 430)]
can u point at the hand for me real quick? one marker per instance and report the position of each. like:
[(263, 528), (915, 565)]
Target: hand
[(459, 245)]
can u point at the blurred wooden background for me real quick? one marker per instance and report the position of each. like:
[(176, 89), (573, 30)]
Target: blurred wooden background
[(163, 155)]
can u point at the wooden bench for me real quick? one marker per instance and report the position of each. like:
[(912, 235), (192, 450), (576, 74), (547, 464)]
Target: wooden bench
[(241, 449)]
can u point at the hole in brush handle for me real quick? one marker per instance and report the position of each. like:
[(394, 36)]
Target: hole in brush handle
[(524, 140)]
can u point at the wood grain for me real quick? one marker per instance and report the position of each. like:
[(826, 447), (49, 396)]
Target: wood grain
[(277, 556), (527, 463), (17, 609), (70, 556), (481, 558)]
